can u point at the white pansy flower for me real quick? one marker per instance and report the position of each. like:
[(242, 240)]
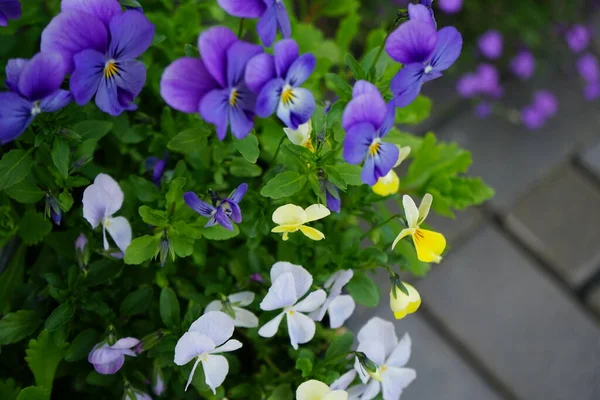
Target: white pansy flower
[(301, 136), (233, 305), (340, 307), (378, 340), (289, 283), (101, 200), (207, 337), (316, 390)]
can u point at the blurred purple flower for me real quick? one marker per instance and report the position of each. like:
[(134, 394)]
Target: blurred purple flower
[(277, 79), (491, 44), (468, 85), (523, 65), (532, 118), (450, 6), (34, 87), (81, 252), (102, 60), (485, 81), (483, 109), (592, 91), (578, 38), (135, 394), (257, 278), (272, 13), (222, 212), (107, 360), (81, 242), (545, 103), (9, 9), (158, 166), (588, 68)]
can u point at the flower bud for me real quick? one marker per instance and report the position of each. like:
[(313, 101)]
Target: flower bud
[(369, 366), (53, 209), (81, 251), (158, 381), (149, 341), (404, 299)]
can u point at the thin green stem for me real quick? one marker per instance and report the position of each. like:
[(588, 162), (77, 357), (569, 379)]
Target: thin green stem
[(241, 28), (380, 51), (278, 148), (379, 226)]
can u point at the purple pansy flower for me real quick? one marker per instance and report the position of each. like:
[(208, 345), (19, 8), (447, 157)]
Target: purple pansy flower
[(9, 9), (100, 44), (107, 360), (578, 38), (366, 120), (450, 6), (34, 87), (523, 65), (272, 13), (424, 52), (277, 79), (214, 85), (491, 44), (221, 212), (588, 68), (332, 196), (158, 166)]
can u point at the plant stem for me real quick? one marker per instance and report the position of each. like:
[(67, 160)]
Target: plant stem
[(379, 226), (279, 147), (241, 28), (272, 364), (390, 30)]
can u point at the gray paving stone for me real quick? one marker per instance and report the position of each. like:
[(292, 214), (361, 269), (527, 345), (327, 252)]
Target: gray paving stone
[(441, 372), (456, 230), (445, 103), (558, 219), (590, 158), (509, 157), (593, 299), (515, 320)]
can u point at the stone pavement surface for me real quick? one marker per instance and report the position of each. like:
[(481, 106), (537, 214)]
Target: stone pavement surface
[(513, 312)]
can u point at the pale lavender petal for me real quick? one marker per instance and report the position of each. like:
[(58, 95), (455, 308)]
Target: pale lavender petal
[(283, 20), (57, 101), (194, 202), (418, 12), (545, 103), (357, 142), (125, 343), (101, 9), (491, 44), (213, 45), (412, 42), (111, 367), (238, 56), (243, 8), (301, 70), (269, 98), (42, 76), (89, 70), (223, 219), (241, 120), (267, 26), (298, 110), (14, 68), (184, 83), (286, 52), (259, 71), (448, 48), (15, 116), (71, 32), (131, 35), (366, 108), (214, 108), (103, 355), (407, 83)]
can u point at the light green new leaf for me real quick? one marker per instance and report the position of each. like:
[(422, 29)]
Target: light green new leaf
[(152, 217), (93, 129), (141, 249), (248, 148), (66, 201), (416, 112), (282, 392), (43, 356), (347, 31), (350, 174), (363, 290), (189, 140), (284, 185), (34, 393), (217, 232), (339, 345), (145, 190), (60, 316), (16, 326), (60, 156), (14, 167), (244, 169)]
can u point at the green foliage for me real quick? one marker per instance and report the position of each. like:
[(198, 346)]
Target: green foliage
[(363, 290), (15, 327), (43, 356), (14, 167)]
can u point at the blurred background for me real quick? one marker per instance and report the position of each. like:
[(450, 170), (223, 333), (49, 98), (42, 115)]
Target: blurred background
[(513, 311)]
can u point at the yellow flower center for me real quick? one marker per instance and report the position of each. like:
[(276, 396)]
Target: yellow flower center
[(233, 97), (110, 69), (310, 147), (287, 95), (374, 147)]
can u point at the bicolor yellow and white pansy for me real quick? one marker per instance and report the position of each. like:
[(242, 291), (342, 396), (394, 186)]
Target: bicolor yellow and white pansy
[(390, 184), (301, 136), (289, 283), (292, 218), (100, 201), (242, 318), (317, 390), (403, 304), (378, 340), (339, 306), (429, 244), (207, 337)]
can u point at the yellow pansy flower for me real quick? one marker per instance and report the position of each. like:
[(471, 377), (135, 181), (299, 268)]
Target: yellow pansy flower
[(292, 218), (301, 137), (402, 305), (390, 184), (430, 245), (316, 390)]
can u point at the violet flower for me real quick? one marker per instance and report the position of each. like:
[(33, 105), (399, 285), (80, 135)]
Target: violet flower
[(532, 118), (485, 81), (221, 212), (523, 65), (81, 252), (34, 87), (592, 91), (578, 38), (450, 6), (424, 52), (272, 13), (491, 44), (546, 103), (9, 9), (276, 80), (100, 44), (332, 195), (588, 68), (158, 166), (107, 360), (366, 120), (214, 85), (52, 209)]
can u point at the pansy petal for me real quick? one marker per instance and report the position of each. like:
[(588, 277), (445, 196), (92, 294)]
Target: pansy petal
[(344, 381), (312, 233), (15, 116), (401, 354), (395, 380), (410, 210), (125, 343), (283, 20), (407, 84), (214, 44), (42, 76), (418, 12), (371, 390), (245, 318), (216, 325), (114, 191), (214, 305), (191, 377), (94, 202), (238, 56), (380, 330), (424, 207), (336, 395), (242, 299), (110, 368), (340, 309), (243, 8), (367, 108), (235, 212), (302, 278), (403, 233), (429, 244), (237, 196), (289, 214), (214, 108), (101, 9), (71, 32), (374, 349), (103, 355), (364, 87), (390, 119), (57, 101), (311, 302), (130, 78), (286, 53), (267, 26), (193, 201), (85, 80), (216, 369), (184, 83), (223, 220), (120, 231), (300, 70), (385, 159), (230, 345), (368, 174), (131, 35), (298, 110), (316, 212), (282, 293), (259, 71), (412, 42), (448, 48), (358, 139), (301, 328), (311, 390), (191, 345), (242, 122), (270, 328), (107, 97), (14, 68), (269, 98)]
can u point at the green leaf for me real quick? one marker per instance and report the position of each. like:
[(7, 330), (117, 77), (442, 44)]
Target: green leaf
[(416, 112), (11, 279), (60, 156), (248, 148), (154, 217), (34, 393), (193, 139), (347, 31), (145, 190), (217, 232), (33, 227), (9, 389), (141, 249), (340, 345), (66, 201), (244, 169), (136, 302), (102, 271), (338, 8), (282, 392), (363, 290), (93, 129), (350, 174), (305, 361), (169, 308), (191, 50), (357, 69), (81, 345), (342, 87), (175, 193), (60, 316), (43, 356), (284, 185), (26, 191), (404, 139), (16, 326), (335, 177), (458, 193), (14, 167)]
